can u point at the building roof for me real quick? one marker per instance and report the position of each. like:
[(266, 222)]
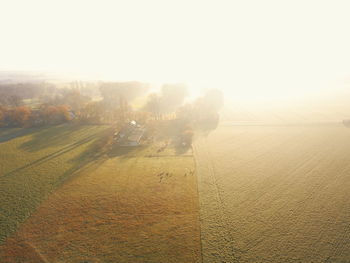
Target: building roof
[(136, 135)]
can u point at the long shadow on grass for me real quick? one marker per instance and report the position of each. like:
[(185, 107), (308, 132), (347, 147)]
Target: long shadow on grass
[(50, 156), (22, 192), (7, 134), (53, 136), (124, 151)]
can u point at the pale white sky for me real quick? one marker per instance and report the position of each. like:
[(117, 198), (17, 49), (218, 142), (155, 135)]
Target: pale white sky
[(251, 49)]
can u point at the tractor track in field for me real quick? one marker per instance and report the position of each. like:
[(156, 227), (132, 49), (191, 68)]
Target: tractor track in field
[(52, 155), (220, 201), (228, 236)]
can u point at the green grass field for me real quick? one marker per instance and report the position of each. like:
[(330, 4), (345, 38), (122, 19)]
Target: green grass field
[(34, 162)]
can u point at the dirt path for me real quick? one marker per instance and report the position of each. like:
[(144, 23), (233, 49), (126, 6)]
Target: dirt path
[(118, 211), (275, 194)]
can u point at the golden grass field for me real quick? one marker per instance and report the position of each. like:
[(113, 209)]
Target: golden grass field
[(275, 194), (34, 162), (132, 205), (266, 194)]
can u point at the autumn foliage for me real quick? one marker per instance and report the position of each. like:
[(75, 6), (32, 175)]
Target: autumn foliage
[(21, 115), (17, 116), (24, 116), (55, 114)]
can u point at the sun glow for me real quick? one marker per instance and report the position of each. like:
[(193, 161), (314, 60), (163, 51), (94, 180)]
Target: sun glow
[(253, 50)]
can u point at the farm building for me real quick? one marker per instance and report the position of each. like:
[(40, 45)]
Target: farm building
[(130, 135)]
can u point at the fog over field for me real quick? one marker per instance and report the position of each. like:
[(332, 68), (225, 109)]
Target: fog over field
[(332, 108), (254, 51), (180, 131)]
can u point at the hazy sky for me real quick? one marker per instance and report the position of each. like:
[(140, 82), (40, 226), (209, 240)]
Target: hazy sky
[(271, 49)]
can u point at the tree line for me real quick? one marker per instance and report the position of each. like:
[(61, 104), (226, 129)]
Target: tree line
[(28, 105)]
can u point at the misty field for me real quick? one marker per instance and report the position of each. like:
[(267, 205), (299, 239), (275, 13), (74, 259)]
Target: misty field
[(275, 194), (132, 205)]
